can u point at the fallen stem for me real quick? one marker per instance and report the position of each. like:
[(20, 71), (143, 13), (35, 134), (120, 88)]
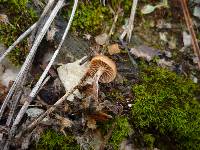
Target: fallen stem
[(40, 81), (129, 28), (189, 24), (52, 108), (29, 57)]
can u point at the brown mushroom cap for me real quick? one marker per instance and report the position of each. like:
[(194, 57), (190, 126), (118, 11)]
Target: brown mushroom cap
[(108, 67)]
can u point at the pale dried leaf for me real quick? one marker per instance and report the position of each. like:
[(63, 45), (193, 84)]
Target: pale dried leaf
[(145, 52), (91, 123), (148, 9), (113, 49), (102, 39)]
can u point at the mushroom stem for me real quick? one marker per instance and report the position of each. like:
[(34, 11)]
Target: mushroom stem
[(96, 83)]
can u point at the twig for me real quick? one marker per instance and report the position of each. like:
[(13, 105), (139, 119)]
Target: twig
[(38, 84), (129, 28), (13, 107), (41, 20), (40, 81), (116, 15), (189, 24), (27, 62), (21, 37), (31, 54), (52, 108)]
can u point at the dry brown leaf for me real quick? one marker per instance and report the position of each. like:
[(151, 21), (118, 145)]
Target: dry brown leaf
[(113, 49), (91, 123)]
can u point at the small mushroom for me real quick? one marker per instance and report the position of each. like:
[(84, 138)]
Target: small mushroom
[(104, 68)]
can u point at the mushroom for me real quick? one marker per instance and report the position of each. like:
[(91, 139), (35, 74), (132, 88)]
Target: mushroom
[(103, 69)]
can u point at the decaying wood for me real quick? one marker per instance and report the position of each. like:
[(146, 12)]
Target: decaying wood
[(129, 28), (189, 24)]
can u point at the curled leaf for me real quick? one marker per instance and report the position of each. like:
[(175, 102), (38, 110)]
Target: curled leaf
[(148, 9)]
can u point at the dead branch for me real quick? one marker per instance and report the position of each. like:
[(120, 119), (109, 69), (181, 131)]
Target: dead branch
[(27, 62), (40, 81), (12, 110), (129, 28), (38, 84), (189, 24), (25, 67), (52, 108)]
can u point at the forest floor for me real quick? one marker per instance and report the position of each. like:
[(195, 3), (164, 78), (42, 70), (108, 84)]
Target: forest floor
[(152, 101)]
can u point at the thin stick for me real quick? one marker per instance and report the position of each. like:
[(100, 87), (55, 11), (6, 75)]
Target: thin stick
[(38, 84), (13, 107), (27, 62), (189, 24), (52, 108), (31, 54), (129, 29), (20, 38), (42, 20)]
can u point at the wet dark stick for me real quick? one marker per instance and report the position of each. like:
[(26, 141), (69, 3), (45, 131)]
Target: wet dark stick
[(189, 24)]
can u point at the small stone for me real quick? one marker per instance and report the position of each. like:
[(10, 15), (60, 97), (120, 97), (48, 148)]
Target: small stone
[(195, 80), (101, 39), (196, 12), (187, 39), (163, 36), (168, 54), (162, 24), (197, 1), (145, 52), (129, 105), (34, 112), (172, 43), (195, 60), (164, 63), (113, 49)]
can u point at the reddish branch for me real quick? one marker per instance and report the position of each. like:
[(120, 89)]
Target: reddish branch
[(189, 24)]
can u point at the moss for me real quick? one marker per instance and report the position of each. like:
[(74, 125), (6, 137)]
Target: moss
[(165, 102), (115, 95), (90, 17), (121, 130), (51, 140), (149, 140), (20, 18)]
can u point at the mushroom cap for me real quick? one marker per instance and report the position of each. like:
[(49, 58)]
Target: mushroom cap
[(108, 67)]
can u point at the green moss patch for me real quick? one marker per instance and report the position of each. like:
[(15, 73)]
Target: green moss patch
[(21, 18), (165, 103), (52, 140)]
